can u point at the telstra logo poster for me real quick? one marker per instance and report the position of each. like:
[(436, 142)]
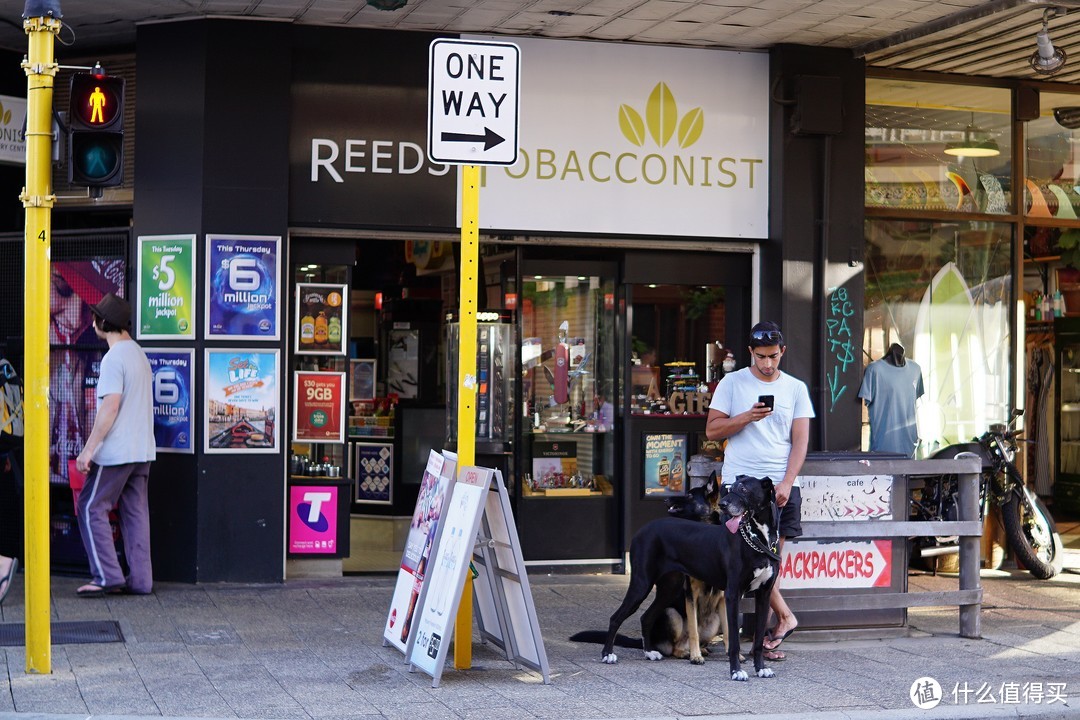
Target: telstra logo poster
[(313, 519)]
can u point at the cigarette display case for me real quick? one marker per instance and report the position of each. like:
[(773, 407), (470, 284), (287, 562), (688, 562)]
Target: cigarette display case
[(495, 358)]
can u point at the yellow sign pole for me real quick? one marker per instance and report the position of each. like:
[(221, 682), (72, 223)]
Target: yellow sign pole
[(466, 419), (37, 199)]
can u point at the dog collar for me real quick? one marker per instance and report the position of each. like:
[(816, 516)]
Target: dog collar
[(749, 538)]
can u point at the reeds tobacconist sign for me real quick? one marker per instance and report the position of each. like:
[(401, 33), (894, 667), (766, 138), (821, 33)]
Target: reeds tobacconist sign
[(12, 140), (635, 139)]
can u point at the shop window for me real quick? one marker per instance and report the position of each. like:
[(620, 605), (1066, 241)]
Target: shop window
[(938, 147), (677, 334), (1051, 186), (942, 290)]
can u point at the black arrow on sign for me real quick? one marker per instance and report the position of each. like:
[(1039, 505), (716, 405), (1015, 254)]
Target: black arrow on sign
[(490, 138)]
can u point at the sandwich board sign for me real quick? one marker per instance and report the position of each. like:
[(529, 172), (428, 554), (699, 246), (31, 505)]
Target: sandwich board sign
[(469, 511), (505, 612), (425, 529), (473, 102)]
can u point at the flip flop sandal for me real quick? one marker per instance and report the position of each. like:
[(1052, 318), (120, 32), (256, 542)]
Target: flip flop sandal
[(92, 591), (774, 655), (772, 639)]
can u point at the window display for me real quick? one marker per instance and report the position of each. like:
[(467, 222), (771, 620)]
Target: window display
[(494, 388), (568, 387), (938, 146)]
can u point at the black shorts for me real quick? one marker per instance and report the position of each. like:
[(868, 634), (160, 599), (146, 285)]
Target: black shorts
[(791, 515)]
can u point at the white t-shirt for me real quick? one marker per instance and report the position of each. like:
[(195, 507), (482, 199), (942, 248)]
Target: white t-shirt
[(125, 370), (760, 449)]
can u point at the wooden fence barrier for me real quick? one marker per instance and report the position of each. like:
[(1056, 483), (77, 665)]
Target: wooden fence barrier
[(968, 597)]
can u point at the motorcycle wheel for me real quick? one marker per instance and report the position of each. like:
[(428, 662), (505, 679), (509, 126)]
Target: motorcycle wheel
[(1032, 536)]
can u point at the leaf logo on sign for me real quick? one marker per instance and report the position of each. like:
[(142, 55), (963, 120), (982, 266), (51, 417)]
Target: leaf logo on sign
[(661, 120), (5, 115)]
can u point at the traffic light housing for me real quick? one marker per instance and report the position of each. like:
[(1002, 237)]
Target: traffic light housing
[(95, 151)]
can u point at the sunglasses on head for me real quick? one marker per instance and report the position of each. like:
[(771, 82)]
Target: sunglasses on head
[(771, 337)]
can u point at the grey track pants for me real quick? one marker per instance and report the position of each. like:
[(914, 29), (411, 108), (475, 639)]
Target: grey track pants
[(106, 486)]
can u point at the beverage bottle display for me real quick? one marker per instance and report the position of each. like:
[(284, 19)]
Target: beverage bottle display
[(677, 472), (321, 329), (664, 471), (307, 329), (334, 330)]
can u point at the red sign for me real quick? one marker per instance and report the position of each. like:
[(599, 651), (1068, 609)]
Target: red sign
[(318, 407), (842, 564)]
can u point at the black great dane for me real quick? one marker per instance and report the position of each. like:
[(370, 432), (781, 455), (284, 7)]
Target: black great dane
[(738, 555)]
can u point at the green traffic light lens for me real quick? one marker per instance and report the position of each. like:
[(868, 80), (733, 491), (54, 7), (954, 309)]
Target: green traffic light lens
[(96, 157)]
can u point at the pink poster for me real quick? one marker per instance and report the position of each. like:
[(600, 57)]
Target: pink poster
[(313, 519)]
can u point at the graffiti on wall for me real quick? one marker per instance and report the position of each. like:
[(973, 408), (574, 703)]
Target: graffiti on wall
[(841, 347)]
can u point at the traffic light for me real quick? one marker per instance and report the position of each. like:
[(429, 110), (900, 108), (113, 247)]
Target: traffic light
[(95, 152)]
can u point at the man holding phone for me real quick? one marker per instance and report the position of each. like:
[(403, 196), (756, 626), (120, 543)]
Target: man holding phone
[(764, 415)]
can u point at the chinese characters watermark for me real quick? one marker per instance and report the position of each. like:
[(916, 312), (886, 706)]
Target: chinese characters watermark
[(927, 693)]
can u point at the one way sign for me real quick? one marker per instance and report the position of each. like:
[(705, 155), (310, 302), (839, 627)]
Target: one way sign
[(473, 100)]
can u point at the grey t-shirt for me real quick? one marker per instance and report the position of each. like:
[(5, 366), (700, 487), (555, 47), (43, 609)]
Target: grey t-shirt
[(890, 393), (125, 370)]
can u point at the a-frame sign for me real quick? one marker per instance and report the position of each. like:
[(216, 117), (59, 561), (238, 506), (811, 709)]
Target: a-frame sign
[(478, 526)]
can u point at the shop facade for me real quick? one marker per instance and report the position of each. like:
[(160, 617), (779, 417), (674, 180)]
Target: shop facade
[(654, 209), (640, 212)]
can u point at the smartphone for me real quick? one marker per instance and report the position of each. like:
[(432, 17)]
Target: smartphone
[(767, 400)]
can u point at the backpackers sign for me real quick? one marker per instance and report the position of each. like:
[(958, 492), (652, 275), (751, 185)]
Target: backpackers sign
[(841, 564)]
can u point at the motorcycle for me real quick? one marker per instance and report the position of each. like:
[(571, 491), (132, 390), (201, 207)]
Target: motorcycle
[(1029, 529)]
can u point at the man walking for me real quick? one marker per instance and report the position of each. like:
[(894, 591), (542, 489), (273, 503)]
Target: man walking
[(765, 416), (116, 459)]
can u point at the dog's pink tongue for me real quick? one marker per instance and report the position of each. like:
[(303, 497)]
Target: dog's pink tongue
[(733, 524)]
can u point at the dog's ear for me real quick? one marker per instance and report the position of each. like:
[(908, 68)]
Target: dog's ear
[(767, 486), (712, 489)]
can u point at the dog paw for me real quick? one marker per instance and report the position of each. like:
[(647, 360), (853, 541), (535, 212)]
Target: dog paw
[(740, 675), (653, 655), (697, 660), (766, 673), (610, 659)]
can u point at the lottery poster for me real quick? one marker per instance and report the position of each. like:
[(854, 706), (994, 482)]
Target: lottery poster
[(173, 386), (165, 297), (241, 401), (373, 471), (242, 287)]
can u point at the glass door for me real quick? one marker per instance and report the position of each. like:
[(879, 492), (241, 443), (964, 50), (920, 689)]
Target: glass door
[(1067, 485), (568, 486)]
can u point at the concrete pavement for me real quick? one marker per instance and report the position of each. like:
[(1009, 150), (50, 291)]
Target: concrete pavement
[(312, 649)]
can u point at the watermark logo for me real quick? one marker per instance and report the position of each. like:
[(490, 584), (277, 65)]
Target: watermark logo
[(925, 693), (661, 120)]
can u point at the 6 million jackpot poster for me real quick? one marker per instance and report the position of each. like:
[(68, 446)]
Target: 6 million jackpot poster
[(174, 377), (243, 287)]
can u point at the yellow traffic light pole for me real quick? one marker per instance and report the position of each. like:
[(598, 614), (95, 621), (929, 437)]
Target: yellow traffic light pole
[(37, 199), (466, 419)]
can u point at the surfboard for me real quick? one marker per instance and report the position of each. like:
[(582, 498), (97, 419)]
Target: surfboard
[(950, 350)]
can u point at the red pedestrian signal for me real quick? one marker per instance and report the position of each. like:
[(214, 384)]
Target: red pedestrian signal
[(96, 130)]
